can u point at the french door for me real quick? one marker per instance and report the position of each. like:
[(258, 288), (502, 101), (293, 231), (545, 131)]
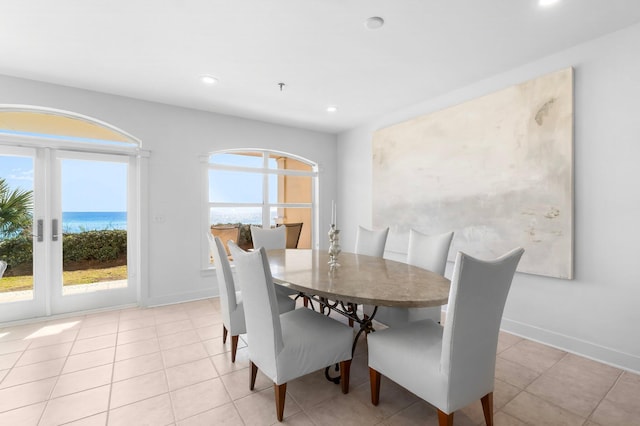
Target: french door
[(79, 250)]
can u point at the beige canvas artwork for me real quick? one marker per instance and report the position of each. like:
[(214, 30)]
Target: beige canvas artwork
[(497, 170)]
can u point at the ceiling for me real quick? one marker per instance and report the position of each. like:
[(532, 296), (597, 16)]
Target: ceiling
[(321, 50)]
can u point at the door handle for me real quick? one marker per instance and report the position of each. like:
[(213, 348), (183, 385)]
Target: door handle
[(40, 230), (54, 229)]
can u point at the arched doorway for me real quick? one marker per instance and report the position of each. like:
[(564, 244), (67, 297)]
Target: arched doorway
[(75, 241)]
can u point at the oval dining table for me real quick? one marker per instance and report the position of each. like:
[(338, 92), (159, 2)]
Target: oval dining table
[(359, 280)]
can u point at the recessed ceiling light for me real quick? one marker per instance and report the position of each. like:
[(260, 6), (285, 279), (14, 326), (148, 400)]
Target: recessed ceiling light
[(208, 79), (374, 22), (547, 3), (332, 108)]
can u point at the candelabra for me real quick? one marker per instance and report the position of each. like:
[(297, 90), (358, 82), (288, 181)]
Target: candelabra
[(334, 246)]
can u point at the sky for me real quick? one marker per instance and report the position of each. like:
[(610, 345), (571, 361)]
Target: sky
[(86, 185)]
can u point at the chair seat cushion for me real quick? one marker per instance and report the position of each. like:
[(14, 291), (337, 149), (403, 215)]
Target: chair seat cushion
[(410, 354), (312, 341)]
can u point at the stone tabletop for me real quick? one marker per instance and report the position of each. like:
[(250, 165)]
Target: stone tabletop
[(359, 279)]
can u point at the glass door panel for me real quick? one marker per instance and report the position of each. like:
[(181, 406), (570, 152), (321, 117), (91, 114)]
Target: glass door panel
[(91, 243), (19, 295)]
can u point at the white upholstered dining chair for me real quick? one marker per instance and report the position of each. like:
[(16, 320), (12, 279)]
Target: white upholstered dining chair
[(274, 238), (451, 366), (426, 252), (231, 304), (371, 242), (285, 347)]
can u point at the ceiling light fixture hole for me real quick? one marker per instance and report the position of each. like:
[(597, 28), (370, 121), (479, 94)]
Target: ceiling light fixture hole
[(374, 23)]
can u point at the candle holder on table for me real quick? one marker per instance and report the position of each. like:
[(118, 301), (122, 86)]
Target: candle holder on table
[(334, 246)]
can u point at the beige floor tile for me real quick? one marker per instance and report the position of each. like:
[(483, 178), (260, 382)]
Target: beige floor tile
[(2, 374), (514, 373), (53, 339), (9, 360), (345, 410), (13, 346), (98, 330), (209, 320), (32, 372), (506, 340), (215, 346), (184, 354), (99, 419), (393, 398), (137, 366), (533, 355), (154, 411), (188, 374), (582, 398), (225, 414), (237, 383), (82, 380), (609, 413), (136, 313), (132, 350), (44, 353), (183, 338), (137, 323), (174, 327), (210, 331), (138, 388), (503, 419), (421, 413), (223, 363), (198, 398), (259, 408), (312, 389), (25, 416), (95, 320), (88, 359), (93, 344), (167, 317), (27, 394), (131, 336), (533, 410), (75, 406)]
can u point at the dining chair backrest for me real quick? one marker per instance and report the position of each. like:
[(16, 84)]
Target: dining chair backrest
[(260, 306), (371, 242), (226, 233), (477, 297), (429, 251), (224, 275), (274, 238), (293, 234)]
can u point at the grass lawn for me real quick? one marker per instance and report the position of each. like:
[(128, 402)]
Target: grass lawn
[(83, 276)]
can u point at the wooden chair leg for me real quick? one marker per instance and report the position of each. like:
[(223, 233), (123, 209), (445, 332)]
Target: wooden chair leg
[(487, 408), (224, 334), (305, 301), (345, 367), (234, 348), (445, 419), (374, 380), (281, 392), (254, 372)]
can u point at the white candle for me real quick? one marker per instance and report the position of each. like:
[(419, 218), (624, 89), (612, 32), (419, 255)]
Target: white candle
[(333, 211), (335, 215)]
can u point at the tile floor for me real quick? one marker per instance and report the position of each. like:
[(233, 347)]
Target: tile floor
[(168, 366)]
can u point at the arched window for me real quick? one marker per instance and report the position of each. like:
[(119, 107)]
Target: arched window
[(259, 187)]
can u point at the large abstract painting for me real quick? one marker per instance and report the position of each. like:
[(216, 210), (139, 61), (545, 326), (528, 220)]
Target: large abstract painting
[(497, 170)]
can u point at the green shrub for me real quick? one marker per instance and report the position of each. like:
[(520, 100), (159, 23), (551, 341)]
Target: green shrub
[(100, 246)]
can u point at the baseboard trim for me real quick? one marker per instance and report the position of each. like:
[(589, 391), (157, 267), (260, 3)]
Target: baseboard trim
[(575, 346), (179, 298)]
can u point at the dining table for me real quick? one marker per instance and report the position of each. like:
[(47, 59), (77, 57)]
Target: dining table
[(356, 280)]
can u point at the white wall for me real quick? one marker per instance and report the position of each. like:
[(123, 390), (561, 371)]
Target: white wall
[(176, 138), (598, 313)]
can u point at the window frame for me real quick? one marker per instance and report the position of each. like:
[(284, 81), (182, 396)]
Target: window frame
[(265, 205)]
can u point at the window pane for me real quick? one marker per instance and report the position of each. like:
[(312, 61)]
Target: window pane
[(277, 161), (235, 187), (244, 159), (291, 189), (235, 215)]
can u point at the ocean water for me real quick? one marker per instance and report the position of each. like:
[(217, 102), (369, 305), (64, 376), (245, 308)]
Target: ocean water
[(74, 222)]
